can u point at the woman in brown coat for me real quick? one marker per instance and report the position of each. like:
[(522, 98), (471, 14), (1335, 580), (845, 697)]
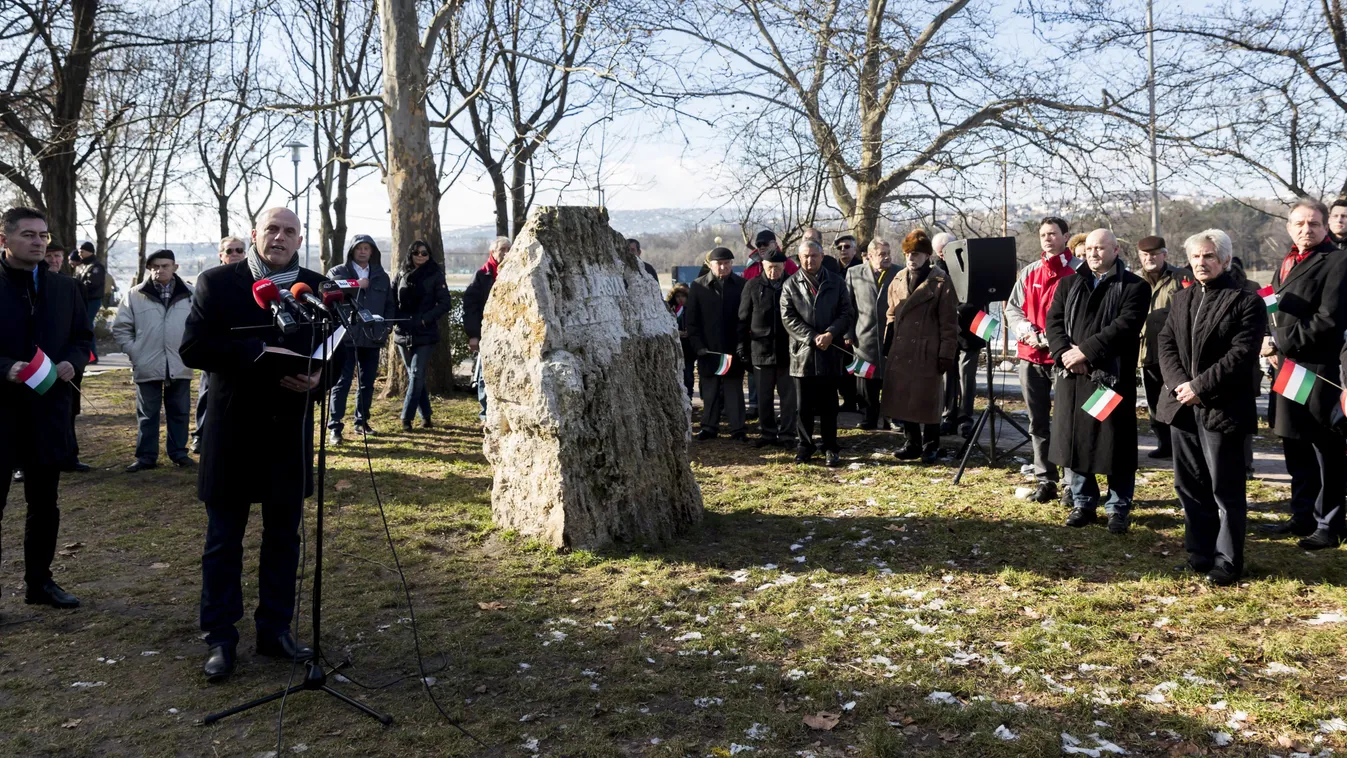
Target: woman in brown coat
[(921, 340)]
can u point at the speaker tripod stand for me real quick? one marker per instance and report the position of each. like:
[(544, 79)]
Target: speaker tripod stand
[(315, 678), (987, 420)]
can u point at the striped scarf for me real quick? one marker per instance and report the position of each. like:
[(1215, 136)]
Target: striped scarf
[(262, 270)]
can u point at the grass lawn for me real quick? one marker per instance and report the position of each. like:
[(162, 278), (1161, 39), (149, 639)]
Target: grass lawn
[(876, 610)]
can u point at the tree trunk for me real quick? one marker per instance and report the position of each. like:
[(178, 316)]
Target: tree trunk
[(412, 180), (58, 192)]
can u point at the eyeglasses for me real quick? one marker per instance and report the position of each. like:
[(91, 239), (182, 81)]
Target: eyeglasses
[(419, 253), (844, 246), (233, 251)]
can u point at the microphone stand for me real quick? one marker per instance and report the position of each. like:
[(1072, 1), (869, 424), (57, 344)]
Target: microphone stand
[(315, 678), (988, 420)]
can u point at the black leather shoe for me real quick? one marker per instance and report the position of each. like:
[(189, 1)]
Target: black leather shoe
[(1080, 516), (803, 455), (1160, 454), (333, 438), (184, 462), (930, 455), (907, 453), (426, 424), (406, 426), (364, 428), (1322, 539), (219, 663), (140, 466), (195, 447), (866, 426), (1199, 564), (739, 436), (1222, 576), (762, 442), (1118, 521), (706, 434), (284, 646), (1045, 492), (832, 460), (1292, 527), (78, 467), (51, 594)]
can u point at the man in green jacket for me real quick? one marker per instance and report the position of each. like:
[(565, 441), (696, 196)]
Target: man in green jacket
[(1165, 280)]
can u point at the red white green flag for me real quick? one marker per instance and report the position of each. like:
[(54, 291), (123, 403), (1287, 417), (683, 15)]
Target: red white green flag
[(984, 326), (39, 374), (724, 367), (1102, 403), (1269, 298), (1294, 382), (863, 369)]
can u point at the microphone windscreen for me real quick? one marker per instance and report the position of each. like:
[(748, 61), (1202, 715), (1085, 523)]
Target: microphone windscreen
[(299, 289), (265, 293)]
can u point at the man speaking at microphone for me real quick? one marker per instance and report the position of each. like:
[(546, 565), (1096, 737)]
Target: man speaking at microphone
[(257, 444)]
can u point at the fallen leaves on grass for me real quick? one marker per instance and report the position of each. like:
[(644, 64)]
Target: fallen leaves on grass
[(159, 566), (71, 724), (343, 485), (494, 605), (822, 721)]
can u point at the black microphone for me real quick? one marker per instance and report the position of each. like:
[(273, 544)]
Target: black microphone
[(268, 296), (332, 300), (304, 293), (288, 299)]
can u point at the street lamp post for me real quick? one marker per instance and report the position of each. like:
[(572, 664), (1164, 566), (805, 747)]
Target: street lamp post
[(296, 146)]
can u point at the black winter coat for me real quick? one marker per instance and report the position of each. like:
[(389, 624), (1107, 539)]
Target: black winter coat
[(806, 316), (377, 298), (92, 278), (422, 299), (762, 337), (713, 321), (257, 442), (1307, 328), (35, 429), (474, 302), (1211, 339), (1111, 345)]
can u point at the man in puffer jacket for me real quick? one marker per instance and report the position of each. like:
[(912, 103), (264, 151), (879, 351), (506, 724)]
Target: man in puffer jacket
[(149, 328), (363, 344)]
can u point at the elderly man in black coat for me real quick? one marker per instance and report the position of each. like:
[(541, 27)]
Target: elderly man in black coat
[(1093, 329), (868, 288), (42, 311), (1307, 328), (713, 329), (816, 310), (764, 345), (1208, 351), (257, 445)]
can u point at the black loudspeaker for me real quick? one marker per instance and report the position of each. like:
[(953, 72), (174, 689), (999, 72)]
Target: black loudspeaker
[(983, 270)]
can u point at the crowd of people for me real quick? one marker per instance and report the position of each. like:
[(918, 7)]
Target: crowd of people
[(793, 340)]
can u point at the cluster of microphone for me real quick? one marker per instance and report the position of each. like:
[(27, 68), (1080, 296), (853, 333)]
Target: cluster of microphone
[(299, 304)]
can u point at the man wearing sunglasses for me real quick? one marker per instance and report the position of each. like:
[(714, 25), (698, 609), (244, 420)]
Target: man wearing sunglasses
[(232, 250)]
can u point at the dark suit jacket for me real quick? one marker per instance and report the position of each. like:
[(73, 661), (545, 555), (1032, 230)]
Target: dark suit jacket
[(762, 336), (806, 316), (1307, 328), (257, 443), (713, 320)]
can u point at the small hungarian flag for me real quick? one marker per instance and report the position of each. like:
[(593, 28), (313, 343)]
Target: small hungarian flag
[(863, 369), (1294, 382), (39, 374), (1269, 298), (724, 367), (1102, 403), (984, 326), (678, 313)]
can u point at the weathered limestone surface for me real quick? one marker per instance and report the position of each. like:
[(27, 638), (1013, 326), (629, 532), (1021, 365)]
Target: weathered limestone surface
[(588, 425)]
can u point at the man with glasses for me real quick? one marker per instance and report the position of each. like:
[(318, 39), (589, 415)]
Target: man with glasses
[(232, 250), (40, 312), (847, 252), (149, 328)]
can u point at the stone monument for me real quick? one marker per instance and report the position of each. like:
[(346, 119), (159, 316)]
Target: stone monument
[(588, 424)]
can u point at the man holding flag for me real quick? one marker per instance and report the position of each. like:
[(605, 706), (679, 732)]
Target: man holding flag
[(46, 338), (713, 329), (816, 311), (1093, 331), (1307, 320)]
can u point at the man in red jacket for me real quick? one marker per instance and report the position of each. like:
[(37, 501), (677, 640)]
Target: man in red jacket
[(1026, 316)]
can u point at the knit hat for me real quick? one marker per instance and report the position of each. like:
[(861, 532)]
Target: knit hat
[(1151, 244), (86, 245), (157, 254), (916, 241), (720, 254), (765, 236), (776, 256), (1076, 240)]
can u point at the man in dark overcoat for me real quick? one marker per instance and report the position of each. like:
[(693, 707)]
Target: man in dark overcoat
[(713, 329), (1093, 329), (764, 345), (817, 313), (46, 311), (1208, 351), (868, 288), (1307, 328), (257, 445)]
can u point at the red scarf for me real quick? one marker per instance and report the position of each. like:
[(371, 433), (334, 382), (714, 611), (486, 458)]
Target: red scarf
[(491, 267), (1293, 259)]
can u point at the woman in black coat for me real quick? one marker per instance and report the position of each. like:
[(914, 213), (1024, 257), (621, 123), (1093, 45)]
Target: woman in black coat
[(422, 300)]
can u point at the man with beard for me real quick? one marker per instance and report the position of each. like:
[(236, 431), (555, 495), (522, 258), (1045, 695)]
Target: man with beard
[(231, 250), (43, 315), (364, 342), (868, 288), (1164, 280), (1026, 318), (1092, 329), (236, 471), (817, 313), (1307, 329), (763, 344), (713, 329), (1208, 352), (1337, 221)]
